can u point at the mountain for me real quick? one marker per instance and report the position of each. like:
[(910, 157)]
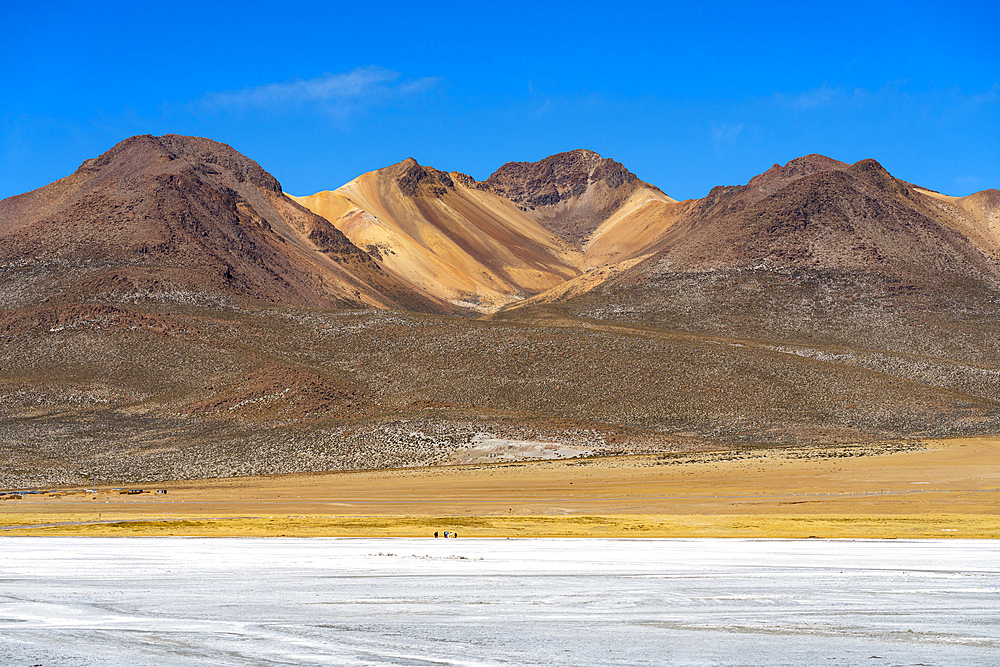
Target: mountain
[(168, 312), (813, 214), (183, 218), (859, 218), (572, 193), (464, 245), (977, 216), (527, 229), (842, 265)]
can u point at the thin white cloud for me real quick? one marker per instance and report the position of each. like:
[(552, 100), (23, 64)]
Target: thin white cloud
[(968, 184), (812, 99), (726, 133), (895, 94), (362, 84)]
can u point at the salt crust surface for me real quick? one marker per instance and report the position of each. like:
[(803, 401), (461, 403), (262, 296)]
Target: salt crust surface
[(328, 601)]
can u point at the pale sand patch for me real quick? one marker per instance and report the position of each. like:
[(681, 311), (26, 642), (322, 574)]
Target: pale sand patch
[(947, 488), (485, 449)]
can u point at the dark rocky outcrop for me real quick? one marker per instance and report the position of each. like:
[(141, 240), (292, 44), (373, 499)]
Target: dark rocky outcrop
[(570, 193), (419, 181)]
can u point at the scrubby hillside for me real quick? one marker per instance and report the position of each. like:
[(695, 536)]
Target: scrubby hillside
[(168, 312)]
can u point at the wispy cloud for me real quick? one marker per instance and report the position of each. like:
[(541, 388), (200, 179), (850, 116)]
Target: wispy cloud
[(968, 184), (895, 96), (333, 91), (816, 98), (725, 134)]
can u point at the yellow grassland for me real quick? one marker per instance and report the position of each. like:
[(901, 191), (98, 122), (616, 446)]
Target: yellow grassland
[(945, 488)]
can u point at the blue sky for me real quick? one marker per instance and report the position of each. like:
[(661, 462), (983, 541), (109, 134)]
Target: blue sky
[(687, 96)]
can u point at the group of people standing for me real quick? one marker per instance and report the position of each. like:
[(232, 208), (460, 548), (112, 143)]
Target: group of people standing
[(447, 533)]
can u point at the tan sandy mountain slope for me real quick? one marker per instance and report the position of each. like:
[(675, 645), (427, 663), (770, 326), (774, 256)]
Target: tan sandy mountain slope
[(977, 216), (461, 244), (528, 228)]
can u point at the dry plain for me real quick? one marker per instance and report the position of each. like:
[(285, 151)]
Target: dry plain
[(934, 488)]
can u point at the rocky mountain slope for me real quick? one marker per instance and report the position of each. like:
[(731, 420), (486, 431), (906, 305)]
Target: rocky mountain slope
[(859, 218), (812, 214), (172, 217), (168, 312)]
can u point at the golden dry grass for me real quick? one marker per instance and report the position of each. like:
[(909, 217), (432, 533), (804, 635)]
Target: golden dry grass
[(942, 489), (619, 526)]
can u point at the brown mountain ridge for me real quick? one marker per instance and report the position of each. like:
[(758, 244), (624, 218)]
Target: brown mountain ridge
[(184, 215), (167, 311)]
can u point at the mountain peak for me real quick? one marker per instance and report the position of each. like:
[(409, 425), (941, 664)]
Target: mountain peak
[(175, 214), (779, 176), (569, 193), (145, 153), (416, 180), (870, 168), (556, 178)]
